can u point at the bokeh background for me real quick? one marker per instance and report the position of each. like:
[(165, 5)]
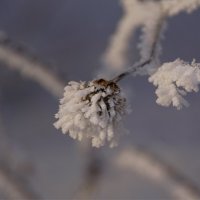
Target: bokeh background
[(72, 36)]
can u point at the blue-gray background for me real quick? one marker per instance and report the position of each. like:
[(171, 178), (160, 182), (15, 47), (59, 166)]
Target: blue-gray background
[(72, 35)]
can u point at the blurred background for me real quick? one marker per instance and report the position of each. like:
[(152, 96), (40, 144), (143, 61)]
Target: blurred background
[(72, 35)]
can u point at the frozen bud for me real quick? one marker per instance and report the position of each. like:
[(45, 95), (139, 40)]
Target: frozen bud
[(92, 110)]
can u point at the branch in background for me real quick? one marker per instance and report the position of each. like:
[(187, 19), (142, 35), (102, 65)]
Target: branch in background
[(149, 50), (115, 55), (13, 185), (148, 165), (152, 33), (136, 15), (174, 7), (93, 172), (16, 58)]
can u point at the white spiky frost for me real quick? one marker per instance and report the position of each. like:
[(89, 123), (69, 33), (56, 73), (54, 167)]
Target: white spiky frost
[(174, 80), (92, 110)]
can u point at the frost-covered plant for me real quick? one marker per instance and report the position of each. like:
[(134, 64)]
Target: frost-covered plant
[(92, 110)]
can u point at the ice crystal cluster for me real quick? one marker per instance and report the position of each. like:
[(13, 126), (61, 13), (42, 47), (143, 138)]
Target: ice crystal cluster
[(174, 80), (92, 110)]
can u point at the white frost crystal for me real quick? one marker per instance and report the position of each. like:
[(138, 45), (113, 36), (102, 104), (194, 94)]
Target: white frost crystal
[(174, 80), (92, 110)]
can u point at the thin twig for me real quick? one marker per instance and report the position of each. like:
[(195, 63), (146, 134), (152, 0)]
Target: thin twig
[(93, 172), (142, 64), (131, 70), (147, 164), (115, 55), (16, 57)]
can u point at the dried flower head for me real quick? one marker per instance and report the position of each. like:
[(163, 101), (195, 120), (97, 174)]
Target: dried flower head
[(92, 110)]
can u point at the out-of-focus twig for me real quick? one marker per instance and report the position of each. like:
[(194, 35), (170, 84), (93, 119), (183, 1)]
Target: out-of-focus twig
[(115, 55), (146, 164), (136, 16), (17, 58), (13, 184), (93, 172), (152, 46)]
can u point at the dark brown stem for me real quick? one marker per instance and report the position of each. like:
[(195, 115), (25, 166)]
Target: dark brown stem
[(131, 70)]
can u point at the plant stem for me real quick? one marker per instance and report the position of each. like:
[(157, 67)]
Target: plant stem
[(152, 54), (131, 70)]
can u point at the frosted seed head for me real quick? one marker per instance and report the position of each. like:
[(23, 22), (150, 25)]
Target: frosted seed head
[(93, 107)]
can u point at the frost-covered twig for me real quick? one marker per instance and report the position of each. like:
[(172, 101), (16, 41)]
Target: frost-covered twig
[(16, 58), (174, 7), (140, 13), (152, 33), (150, 55), (115, 55), (148, 165), (135, 15)]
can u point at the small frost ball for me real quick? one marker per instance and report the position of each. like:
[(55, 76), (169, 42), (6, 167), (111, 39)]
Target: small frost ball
[(92, 110)]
